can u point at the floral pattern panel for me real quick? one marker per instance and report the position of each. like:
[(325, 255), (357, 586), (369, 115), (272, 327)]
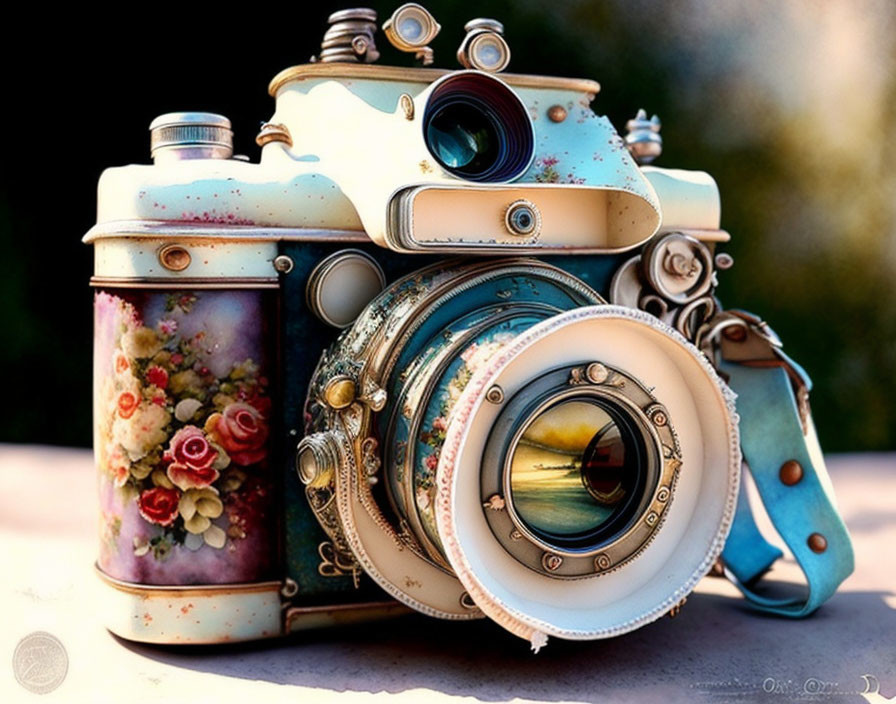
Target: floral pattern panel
[(182, 416)]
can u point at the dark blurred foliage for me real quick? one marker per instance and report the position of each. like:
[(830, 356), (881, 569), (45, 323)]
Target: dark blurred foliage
[(790, 105)]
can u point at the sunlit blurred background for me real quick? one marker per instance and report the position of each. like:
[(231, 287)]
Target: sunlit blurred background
[(790, 105)]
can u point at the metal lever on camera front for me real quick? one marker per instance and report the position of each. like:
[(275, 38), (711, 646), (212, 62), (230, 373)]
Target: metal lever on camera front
[(781, 451)]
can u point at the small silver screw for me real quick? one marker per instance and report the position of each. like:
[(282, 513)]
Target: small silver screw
[(283, 264)]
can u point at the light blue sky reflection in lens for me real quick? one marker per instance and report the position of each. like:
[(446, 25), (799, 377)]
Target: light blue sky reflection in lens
[(455, 148), (488, 55), (410, 29)]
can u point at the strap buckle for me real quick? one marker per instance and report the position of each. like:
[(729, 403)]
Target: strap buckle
[(743, 338)]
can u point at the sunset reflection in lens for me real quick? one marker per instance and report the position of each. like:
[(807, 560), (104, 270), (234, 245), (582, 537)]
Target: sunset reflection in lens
[(573, 469)]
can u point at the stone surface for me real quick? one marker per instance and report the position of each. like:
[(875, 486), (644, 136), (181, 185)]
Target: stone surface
[(715, 650)]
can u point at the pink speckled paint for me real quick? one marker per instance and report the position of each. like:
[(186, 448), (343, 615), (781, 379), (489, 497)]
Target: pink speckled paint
[(182, 436)]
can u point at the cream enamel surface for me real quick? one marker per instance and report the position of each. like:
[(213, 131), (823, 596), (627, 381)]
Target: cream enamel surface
[(571, 216), (215, 615), (139, 258), (688, 199)]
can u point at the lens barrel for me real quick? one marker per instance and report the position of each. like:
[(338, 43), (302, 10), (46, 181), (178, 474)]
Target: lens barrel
[(478, 129)]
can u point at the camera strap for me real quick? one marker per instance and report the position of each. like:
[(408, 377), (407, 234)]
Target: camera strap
[(782, 454)]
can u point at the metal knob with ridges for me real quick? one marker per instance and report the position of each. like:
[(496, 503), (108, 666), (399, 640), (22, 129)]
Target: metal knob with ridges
[(350, 37), (176, 136)]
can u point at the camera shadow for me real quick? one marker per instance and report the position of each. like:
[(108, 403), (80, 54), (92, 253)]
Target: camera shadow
[(705, 653)]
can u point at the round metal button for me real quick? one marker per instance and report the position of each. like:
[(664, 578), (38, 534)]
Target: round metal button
[(342, 285), (174, 257), (557, 113)]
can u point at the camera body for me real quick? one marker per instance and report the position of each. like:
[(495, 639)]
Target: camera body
[(450, 345)]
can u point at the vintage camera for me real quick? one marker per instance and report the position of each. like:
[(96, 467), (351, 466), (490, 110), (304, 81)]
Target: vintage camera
[(452, 345)]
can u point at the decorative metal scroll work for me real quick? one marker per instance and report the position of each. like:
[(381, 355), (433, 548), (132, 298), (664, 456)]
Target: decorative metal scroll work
[(674, 279)]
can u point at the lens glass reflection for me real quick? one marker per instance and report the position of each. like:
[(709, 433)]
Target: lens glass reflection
[(478, 129), (488, 54), (462, 137), (410, 29), (575, 471)]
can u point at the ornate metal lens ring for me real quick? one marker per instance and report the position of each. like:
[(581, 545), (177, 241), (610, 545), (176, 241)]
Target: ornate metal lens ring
[(413, 349), (578, 471)]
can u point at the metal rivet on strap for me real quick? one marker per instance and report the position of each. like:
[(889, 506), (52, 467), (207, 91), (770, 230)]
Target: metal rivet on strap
[(817, 543), (735, 333), (791, 472)]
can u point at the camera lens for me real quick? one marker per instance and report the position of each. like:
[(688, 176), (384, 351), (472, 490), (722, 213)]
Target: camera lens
[(477, 129), (463, 138), (522, 218), (577, 473)]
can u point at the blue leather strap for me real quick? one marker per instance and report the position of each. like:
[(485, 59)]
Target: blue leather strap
[(747, 553), (772, 434)]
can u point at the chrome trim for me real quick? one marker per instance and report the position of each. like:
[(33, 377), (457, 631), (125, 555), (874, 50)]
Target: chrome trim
[(152, 229), (418, 75), (183, 282), (187, 590)]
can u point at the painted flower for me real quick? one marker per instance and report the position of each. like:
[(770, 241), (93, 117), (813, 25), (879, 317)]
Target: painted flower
[(162, 358), (198, 507), (159, 505), (424, 498), (121, 362), (157, 376), (186, 409), (127, 404), (168, 327), (187, 380), (245, 369), (185, 478), (119, 465), (468, 353), (241, 430), (143, 431), (261, 403), (192, 459), (140, 343), (156, 396), (432, 461), (440, 424)]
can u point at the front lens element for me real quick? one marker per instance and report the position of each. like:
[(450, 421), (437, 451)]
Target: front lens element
[(576, 472), (461, 137), (410, 29), (478, 129)]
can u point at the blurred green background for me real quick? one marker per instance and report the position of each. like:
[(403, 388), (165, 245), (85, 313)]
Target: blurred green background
[(791, 106)]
